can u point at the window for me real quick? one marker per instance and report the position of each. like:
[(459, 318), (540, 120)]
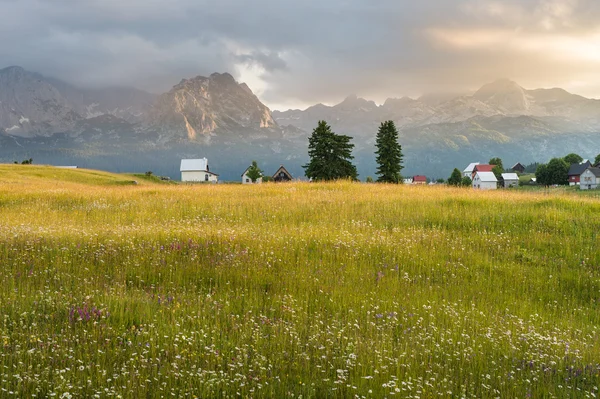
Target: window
[(247, 180), (206, 177)]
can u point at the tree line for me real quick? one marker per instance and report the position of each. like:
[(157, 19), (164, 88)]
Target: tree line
[(330, 156), (556, 171)]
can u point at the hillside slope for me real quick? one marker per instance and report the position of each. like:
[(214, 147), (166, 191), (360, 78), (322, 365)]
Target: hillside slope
[(31, 174)]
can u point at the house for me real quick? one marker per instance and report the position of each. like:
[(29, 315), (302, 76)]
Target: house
[(247, 180), (468, 172), (485, 181), (510, 180), (518, 168), (282, 175), (533, 181), (481, 168), (575, 172), (197, 170), (419, 179), (590, 178), (408, 180)]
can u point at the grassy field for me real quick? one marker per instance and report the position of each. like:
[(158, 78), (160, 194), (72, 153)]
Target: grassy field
[(110, 289)]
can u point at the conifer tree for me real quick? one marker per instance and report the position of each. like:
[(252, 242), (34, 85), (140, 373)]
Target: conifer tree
[(330, 155), (455, 178), (389, 154)]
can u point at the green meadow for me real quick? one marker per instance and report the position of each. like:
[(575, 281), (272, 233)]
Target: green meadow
[(115, 289)]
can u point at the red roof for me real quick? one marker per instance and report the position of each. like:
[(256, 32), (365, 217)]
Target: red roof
[(420, 178), (483, 168)]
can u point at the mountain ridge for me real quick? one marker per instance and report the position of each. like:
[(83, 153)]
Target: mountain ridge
[(218, 117)]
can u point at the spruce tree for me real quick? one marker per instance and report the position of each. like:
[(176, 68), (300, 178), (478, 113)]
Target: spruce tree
[(330, 155), (389, 154), (455, 178)]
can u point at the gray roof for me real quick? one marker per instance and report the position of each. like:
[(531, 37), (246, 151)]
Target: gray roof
[(510, 176), (595, 171), (194, 165), (578, 168), (470, 168), (487, 176)]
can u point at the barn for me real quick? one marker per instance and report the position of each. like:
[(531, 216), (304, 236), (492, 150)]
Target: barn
[(518, 168), (197, 170)]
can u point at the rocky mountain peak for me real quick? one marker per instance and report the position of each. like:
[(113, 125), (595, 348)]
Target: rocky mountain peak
[(499, 86), (223, 77), (355, 103), (505, 95), (200, 106)]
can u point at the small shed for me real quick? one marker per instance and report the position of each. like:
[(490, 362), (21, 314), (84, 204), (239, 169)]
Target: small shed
[(468, 172), (518, 168), (590, 179), (419, 179), (485, 181), (282, 175), (247, 180), (197, 170), (510, 180)]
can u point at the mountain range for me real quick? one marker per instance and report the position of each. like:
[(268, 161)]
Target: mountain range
[(126, 129)]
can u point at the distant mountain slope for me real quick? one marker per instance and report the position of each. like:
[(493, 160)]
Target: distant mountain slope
[(30, 106), (500, 98), (35, 105), (126, 103)]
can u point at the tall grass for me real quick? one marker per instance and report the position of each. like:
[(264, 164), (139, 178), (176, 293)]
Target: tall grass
[(318, 290)]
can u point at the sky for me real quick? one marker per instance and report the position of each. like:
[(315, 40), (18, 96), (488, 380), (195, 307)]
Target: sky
[(296, 53)]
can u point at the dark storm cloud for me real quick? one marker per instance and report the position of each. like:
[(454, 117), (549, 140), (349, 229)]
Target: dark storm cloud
[(301, 52)]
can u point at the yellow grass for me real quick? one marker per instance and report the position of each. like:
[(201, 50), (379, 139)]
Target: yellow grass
[(281, 290)]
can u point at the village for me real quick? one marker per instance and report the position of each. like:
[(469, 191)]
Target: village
[(584, 175)]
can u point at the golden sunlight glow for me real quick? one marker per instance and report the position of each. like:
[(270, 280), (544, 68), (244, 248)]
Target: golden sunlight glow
[(584, 48)]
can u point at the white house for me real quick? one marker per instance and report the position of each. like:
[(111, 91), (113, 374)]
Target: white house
[(485, 181), (510, 180), (590, 179), (468, 172), (247, 180), (408, 180), (197, 170)]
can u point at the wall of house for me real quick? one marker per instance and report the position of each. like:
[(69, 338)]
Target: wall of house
[(588, 181), (573, 180), (479, 185), (247, 180), (198, 177), (511, 183)]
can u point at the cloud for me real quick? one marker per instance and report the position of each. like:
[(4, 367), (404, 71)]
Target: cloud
[(303, 52)]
